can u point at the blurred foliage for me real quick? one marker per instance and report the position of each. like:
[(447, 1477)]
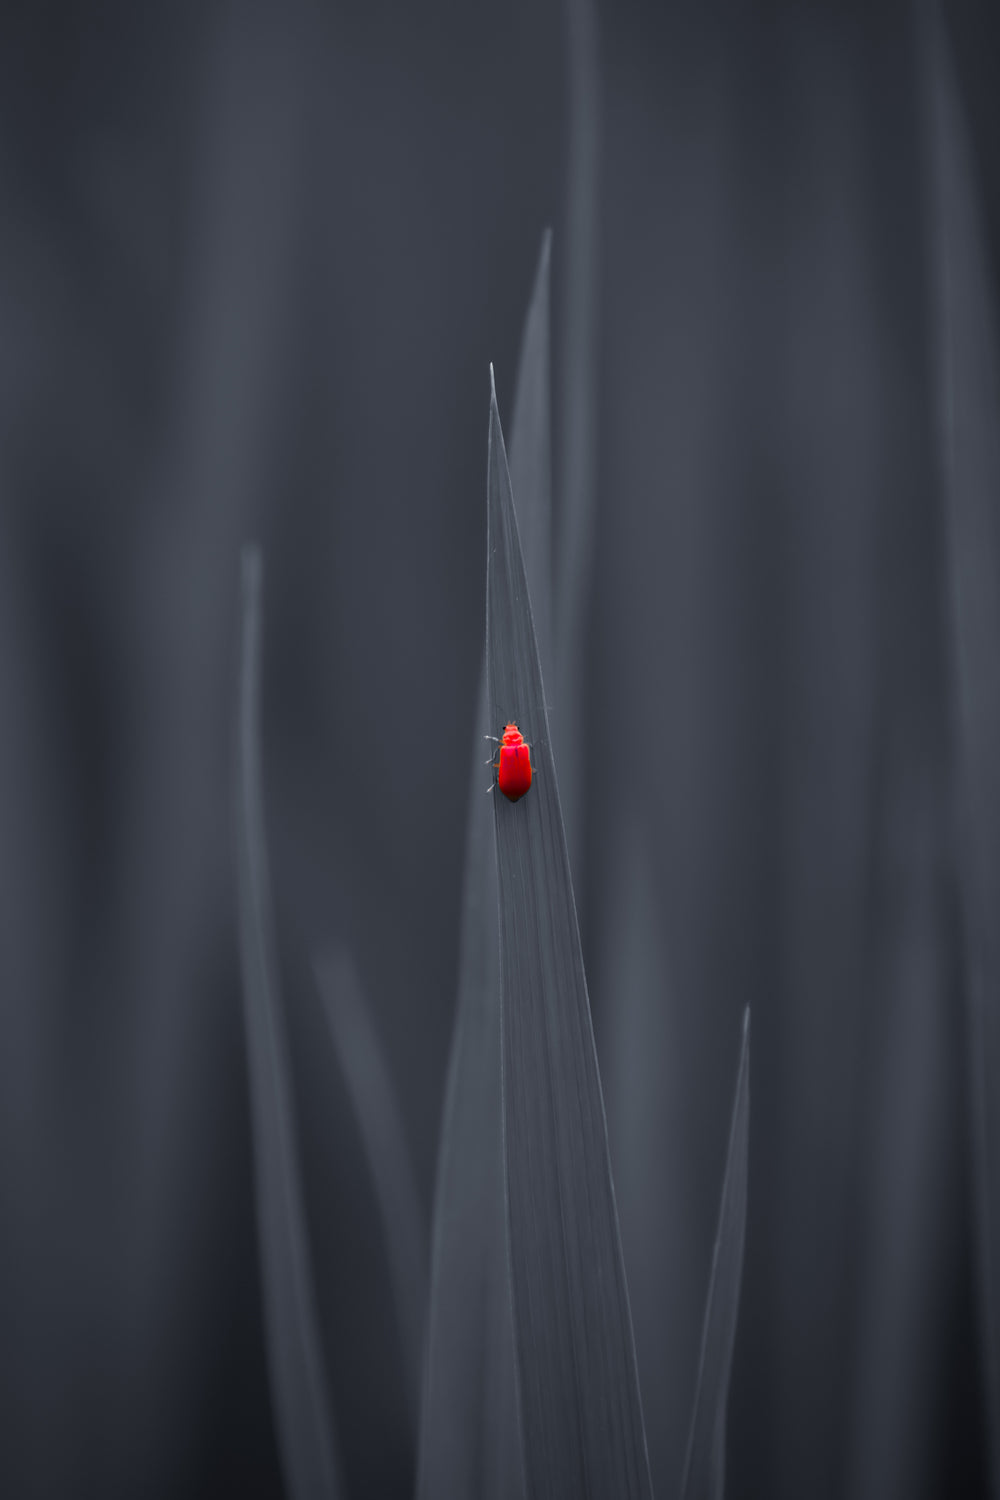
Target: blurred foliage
[(255, 261)]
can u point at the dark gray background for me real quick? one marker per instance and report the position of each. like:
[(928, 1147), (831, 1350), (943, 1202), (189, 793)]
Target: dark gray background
[(254, 262)]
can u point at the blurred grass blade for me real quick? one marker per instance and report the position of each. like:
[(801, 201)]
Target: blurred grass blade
[(383, 1134), (578, 381), (578, 1387), (965, 321), (469, 1435), (299, 1386), (705, 1466), (531, 453)]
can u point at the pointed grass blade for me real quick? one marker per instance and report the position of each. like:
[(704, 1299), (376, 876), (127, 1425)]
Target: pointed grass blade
[(531, 452), (705, 1466), (578, 1388), (469, 1436), (965, 317), (578, 444), (299, 1385), (383, 1135)]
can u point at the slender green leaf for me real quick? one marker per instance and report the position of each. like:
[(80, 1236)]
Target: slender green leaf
[(469, 1436), (299, 1384), (383, 1135), (579, 1398), (705, 1466), (965, 322)]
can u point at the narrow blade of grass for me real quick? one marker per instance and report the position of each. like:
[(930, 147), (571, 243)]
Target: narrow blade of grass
[(644, 1069), (469, 1436), (383, 1134), (299, 1385), (579, 1397), (965, 322), (531, 452), (578, 444), (705, 1466)]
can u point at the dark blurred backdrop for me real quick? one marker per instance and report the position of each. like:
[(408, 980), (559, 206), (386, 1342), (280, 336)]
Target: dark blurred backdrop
[(254, 262)]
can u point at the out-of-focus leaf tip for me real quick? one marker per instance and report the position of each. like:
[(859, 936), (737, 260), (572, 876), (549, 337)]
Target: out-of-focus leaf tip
[(298, 1378), (705, 1465)]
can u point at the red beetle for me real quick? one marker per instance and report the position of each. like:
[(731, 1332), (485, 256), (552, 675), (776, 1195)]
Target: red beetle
[(514, 765)]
